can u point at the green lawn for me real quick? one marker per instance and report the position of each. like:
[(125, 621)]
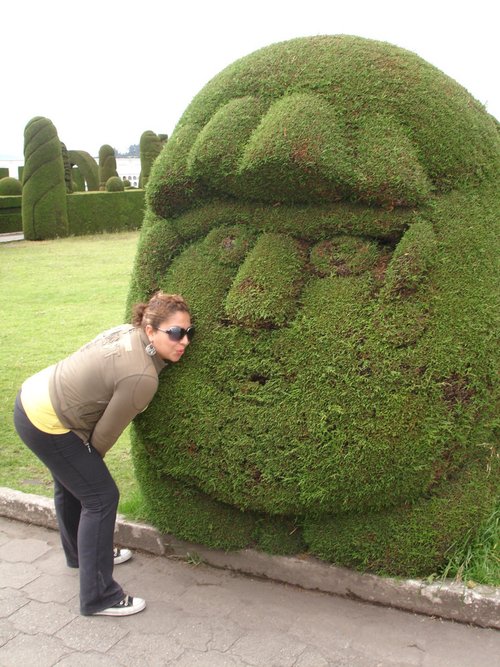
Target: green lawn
[(54, 296)]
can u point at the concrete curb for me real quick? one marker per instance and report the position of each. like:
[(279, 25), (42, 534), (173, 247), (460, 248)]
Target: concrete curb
[(8, 237), (450, 600)]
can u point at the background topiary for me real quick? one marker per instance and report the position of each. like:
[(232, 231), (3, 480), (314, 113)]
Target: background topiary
[(150, 146), (44, 209), (10, 186), (107, 165), (115, 184), (329, 208), (87, 166)]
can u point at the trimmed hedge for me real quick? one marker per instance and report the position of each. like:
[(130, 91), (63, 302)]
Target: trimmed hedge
[(88, 212), (94, 212), (329, 208), (11, 219)]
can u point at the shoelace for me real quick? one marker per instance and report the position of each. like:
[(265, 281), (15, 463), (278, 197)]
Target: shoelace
[(125, 601)]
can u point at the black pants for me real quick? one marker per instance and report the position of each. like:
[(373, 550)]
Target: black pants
[(86, 500)]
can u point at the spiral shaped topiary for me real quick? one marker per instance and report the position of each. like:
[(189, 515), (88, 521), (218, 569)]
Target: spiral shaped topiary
[(44, 210), (107, 165), (10, 186), (329, 208)]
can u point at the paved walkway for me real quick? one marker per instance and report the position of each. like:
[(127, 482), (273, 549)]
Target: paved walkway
[(198, 616)]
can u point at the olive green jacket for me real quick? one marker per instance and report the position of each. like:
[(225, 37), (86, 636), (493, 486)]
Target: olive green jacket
[(100, 388)]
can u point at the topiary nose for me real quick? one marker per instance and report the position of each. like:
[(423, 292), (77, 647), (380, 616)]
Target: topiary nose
[(265, 289)]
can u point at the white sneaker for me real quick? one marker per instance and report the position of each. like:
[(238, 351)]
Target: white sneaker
[(125, 607), (121, 555)]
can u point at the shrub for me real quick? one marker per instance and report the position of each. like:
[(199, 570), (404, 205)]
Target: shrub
[(10, 186), (115, 184), (328, 207)]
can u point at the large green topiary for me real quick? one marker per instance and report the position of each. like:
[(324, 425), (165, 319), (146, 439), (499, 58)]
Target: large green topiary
[(107, 165), (44, 209), (329, 208)]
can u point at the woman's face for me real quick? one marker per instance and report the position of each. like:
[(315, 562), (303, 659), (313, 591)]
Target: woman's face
[(168, 349)]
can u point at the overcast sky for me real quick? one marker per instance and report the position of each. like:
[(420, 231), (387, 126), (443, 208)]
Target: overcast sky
[(104, 71)]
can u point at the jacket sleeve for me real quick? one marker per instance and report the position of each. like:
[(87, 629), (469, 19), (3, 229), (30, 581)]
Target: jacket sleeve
[(132, 395)]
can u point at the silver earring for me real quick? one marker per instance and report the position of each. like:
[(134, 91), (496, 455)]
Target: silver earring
[(150, 349)]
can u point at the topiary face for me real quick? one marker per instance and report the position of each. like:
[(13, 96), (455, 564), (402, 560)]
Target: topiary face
[(326, 206)]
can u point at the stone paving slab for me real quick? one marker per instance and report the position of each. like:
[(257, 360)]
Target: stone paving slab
[(199, 616), (451, 600)]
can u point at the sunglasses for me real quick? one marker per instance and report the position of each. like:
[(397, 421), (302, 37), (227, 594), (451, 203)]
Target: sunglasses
[(177, 333)]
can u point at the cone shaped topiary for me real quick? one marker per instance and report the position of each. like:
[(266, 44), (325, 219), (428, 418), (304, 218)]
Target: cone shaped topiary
[(328, 207)]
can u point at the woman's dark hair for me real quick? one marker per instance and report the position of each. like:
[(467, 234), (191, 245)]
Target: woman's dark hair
[(160, 307)]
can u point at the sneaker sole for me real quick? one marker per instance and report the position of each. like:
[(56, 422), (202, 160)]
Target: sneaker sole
[(121, 559), (124, 611)]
